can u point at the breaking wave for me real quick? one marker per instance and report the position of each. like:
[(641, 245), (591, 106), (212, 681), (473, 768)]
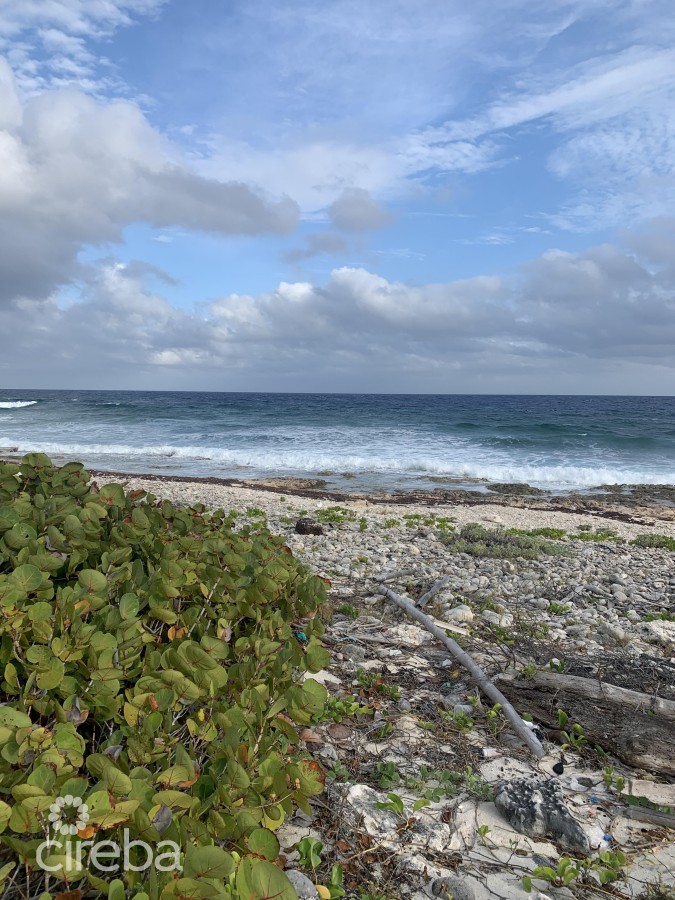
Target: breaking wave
[(16, 404), (465, 462)]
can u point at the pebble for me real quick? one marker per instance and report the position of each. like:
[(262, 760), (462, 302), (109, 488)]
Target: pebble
[(304, 888)]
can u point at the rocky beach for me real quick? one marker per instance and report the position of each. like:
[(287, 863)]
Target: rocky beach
[(429, 792)]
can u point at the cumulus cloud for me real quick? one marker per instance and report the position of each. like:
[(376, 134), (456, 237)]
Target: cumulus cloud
[(356, 210), (562, 318), (75, 172)]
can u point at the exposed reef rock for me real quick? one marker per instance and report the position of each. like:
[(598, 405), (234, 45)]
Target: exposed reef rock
[(535, 807), (308, 526)]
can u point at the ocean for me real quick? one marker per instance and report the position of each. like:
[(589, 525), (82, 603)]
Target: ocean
[(354, 442)]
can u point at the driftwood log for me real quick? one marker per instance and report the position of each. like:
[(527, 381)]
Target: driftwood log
[(637, 728), (477, 674)]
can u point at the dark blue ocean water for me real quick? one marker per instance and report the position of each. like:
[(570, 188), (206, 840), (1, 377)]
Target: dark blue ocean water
[(386, 441)]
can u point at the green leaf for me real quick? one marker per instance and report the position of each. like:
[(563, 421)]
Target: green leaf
[(112, 495), (14, 718), (92, 581), (28, 578), (8, 518), (19, 535), (53, 677), (207, 862), (129, 606), (263, 842), (258, 879), (116, 782), (116, 890), (5, 814), (309, 849), (316, 657)]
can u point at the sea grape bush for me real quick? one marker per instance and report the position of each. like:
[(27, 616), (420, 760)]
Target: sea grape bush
[(150, 665)]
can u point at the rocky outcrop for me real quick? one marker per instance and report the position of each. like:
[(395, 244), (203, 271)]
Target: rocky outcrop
[(535, 807)]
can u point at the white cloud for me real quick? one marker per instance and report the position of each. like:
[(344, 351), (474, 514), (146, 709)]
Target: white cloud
[(76, 172), (564, 319), (47, 42)]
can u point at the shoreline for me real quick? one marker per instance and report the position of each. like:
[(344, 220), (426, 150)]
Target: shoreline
[(288, 496)]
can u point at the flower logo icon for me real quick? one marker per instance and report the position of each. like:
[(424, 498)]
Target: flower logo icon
[(68, 815)]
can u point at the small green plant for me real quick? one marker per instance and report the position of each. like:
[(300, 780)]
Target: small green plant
[(335, 514), (375, 683), (495, 718), (660, 617), (483, 831), (363, 524), (381, 733), (617, 783), (386, 775), (529, 670), (336, 882), (339, 772), (657, 541), (566, 872), (607, 867), (558, 609), (459, 719), (586, 533), (346, 609), (575, 737), (477, 786), (555, 534), (309, 849), (394, 804), (390, 523), (435, 785), (336, 709), (253, 512)]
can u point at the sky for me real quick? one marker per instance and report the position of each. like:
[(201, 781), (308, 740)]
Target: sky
[(351, 195)]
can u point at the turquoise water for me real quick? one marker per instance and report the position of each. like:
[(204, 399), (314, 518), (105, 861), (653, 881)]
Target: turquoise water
[(386, 441)]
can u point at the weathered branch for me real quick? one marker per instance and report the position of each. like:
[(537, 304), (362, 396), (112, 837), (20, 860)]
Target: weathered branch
[(395, 575), (478, 675), (600, 690), (637, 728), (433, 590)]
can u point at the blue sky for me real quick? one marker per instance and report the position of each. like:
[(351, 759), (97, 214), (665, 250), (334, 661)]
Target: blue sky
[(254, 184)]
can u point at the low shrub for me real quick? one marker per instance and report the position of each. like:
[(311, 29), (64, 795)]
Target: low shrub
[(658, 541), (150, 659), (476, 540)]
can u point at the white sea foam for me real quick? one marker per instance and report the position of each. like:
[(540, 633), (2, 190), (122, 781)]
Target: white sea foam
[(16, 404), (460, 461)]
